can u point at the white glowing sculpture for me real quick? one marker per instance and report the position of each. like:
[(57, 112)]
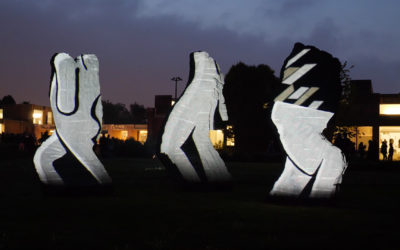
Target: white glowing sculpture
[(312, 78), (193, 115), (77, 110)]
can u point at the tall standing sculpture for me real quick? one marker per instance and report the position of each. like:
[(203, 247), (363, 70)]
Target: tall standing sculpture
[(67, 156), (301, 113), (191, 118)]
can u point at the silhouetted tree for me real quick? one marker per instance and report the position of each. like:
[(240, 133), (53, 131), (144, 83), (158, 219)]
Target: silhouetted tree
[(249, 92), (138, 113), (8, 100), (345, 81), (115, 113)]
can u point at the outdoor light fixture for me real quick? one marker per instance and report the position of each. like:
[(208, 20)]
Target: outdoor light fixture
[(186, 132), (77, 112), (300, 113)]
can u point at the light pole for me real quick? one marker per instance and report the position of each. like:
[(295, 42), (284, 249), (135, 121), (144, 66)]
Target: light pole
[(176, 79)]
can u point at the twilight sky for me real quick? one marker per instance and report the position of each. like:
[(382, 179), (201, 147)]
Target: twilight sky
[(141, 44)]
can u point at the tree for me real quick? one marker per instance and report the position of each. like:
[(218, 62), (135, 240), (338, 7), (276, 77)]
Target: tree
[(248, 92), (8, 100), (345, 81), (138, 113), (115, 113)]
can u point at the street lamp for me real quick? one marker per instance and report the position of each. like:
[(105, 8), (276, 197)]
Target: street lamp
[(176, 79)]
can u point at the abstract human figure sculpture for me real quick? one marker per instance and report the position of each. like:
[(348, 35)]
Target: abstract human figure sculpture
[(76, 105), (300, 113), (192, 117)]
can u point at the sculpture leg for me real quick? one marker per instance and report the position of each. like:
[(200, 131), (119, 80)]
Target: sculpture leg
[(90, 161), (172, 142), (214, 166), (46, 154), (329, 175), (291, 182)]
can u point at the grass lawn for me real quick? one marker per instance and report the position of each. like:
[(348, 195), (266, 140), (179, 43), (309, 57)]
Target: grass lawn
[(147, 211)]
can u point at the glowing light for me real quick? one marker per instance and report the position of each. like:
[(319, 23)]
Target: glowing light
[(142, 136), (37, 116), (1, 128), (49, 117), (230, 138), (124, 135), (1, 113), (389, 109), (217, 138)]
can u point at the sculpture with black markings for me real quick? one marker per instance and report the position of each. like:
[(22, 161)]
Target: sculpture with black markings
[(191, 119), (314, 167), (67, 158)]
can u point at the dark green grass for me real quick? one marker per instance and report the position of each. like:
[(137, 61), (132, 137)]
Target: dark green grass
[(147, 211)]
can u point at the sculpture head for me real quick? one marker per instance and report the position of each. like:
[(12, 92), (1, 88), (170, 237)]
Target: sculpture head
[(201, 61)]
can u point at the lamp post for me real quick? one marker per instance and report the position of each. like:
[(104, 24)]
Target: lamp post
[(176, 79)]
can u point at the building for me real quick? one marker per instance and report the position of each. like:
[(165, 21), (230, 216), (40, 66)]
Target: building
[(156, 116), (138, 132), (35, 120), (26, 119), (372, 116)]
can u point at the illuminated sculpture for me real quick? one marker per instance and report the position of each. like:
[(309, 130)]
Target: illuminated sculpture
[(191, 118), (76, 105), (300, 113)]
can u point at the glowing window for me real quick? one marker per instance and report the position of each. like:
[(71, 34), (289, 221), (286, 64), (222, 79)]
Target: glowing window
[(389, 109), (1, 128), (217, 138), (124, 134), (230, 137), (1, 113), (230, 142), (37, 116), (389, 135), (142, 136), (49, 118)]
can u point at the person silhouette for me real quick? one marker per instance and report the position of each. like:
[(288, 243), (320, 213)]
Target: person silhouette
[(361, 150), (384, 149), (193, 116), (391, 150)]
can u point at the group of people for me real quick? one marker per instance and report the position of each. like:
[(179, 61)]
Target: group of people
[(385, 151)]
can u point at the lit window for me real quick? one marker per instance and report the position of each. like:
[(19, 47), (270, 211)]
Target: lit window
[(389, 135), (230, 142), (217, 138), (1, 113), (124, 135), (389, 109), (1, 128), (49, 118), (37, 116), (142, 136), (230, 137)]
